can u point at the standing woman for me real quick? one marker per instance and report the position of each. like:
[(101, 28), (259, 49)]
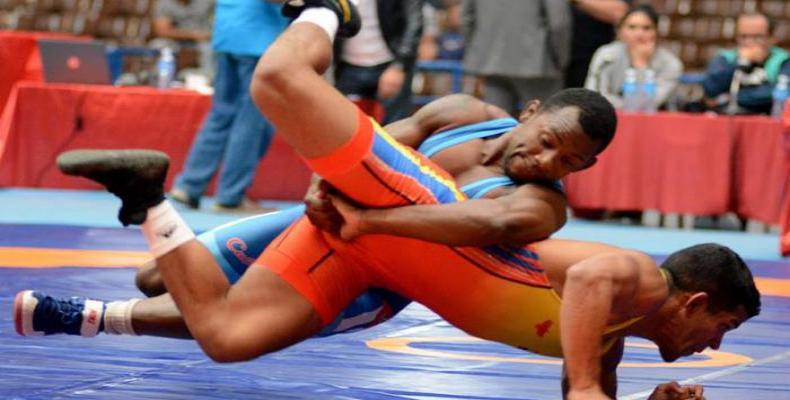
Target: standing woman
[(635, 48)]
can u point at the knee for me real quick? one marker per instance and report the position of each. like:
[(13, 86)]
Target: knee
[(270, 72), (149, 281), (222, 345), (222, 352), (277, 76)]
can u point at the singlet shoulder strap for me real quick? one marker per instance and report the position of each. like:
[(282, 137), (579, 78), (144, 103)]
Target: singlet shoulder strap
[(622, 325), (625, 324), (451, 137), (480, 188)]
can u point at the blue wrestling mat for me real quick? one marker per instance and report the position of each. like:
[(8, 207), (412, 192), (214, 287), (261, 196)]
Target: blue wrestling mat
[(77, 249)]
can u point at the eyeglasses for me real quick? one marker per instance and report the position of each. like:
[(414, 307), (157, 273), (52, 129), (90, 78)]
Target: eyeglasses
[(743, 37)]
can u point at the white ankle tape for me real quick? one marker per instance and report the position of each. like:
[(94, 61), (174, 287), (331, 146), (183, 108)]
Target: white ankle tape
[(91, 318), (323, 17), (164, 229), (118, 317)]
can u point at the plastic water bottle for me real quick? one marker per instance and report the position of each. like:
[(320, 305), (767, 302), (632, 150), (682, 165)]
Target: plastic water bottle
[(165, 68), (630, 91), (649, 92), (780, 93)]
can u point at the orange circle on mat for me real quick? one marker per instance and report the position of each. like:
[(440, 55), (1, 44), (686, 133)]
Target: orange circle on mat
[(403, 345)]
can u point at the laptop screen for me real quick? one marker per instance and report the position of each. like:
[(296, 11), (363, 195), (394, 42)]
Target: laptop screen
[(74, 62)]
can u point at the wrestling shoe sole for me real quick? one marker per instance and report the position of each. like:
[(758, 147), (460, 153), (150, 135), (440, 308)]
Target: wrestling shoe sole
[(145, 163)]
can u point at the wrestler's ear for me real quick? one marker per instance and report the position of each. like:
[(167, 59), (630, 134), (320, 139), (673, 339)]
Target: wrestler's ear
[(529, 111), (697, 301)]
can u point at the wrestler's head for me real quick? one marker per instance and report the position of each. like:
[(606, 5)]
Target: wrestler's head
[(560, 136), (712, 292)]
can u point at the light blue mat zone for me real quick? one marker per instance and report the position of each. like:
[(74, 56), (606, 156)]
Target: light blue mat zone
[(343, 366)]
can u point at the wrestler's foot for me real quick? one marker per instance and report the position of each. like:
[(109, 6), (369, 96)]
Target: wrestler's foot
[(136, 176), (346, 11), (37, 314), (181, 196)]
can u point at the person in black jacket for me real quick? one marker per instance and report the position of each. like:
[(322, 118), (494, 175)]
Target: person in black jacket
[(378, 63), (593, 27)]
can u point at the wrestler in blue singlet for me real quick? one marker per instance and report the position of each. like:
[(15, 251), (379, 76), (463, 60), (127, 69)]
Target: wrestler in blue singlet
[(237, 244)]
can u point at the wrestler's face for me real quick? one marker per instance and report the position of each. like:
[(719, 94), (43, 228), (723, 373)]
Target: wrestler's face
[(547, 145), (695, 328)]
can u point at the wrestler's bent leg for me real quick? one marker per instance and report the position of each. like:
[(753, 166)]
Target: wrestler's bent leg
[(234, 246)]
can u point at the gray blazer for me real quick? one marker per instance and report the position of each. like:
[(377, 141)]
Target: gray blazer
[(516, 38), (607, 72)]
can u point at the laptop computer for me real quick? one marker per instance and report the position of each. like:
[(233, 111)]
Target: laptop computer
[(74, 62)]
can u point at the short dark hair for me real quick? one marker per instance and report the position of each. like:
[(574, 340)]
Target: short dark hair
[(717, 271), (643, 8), (596, 114)]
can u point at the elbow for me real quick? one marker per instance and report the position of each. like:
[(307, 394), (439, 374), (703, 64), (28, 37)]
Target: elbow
[(514, 235), (520, 230)]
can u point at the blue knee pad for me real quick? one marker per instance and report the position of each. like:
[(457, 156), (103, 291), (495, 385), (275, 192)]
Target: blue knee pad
[(237, 244)]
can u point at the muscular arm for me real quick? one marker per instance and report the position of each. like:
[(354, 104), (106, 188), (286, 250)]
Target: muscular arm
[(609, 11), (530, 213), (600, 286), (424, 221), (442, 114), (609, 363)]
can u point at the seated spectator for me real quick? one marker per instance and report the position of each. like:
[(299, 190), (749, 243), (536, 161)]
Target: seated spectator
[(635, 48), (185, 24), (740, 80)]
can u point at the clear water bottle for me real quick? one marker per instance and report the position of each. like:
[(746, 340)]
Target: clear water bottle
[(780, 93), (649, 92), (165, 68), (630, 91)]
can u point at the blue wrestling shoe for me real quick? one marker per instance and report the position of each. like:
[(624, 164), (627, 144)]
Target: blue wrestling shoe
[(137, 177), (36, 314), (346, 10)]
